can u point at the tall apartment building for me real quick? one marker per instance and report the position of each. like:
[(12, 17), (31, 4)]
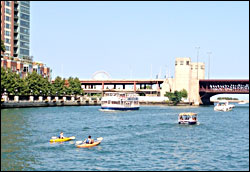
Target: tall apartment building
[(15, 32), (15, 28)]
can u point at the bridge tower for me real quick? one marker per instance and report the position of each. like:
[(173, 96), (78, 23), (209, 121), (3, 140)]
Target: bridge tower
[(186, 77)]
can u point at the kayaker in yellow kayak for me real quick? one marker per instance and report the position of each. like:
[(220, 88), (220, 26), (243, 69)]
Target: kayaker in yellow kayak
[(61, 136)]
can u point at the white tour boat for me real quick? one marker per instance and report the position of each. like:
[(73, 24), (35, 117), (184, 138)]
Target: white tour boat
[(120, 101), (187, 118), (223, 106)]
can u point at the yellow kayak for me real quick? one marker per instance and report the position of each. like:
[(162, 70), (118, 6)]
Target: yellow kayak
[(56, 139)]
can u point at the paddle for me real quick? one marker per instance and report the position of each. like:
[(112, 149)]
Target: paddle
[(99, 138)]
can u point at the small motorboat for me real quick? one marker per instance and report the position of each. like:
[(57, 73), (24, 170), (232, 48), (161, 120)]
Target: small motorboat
[(187, 118), (223, 106)]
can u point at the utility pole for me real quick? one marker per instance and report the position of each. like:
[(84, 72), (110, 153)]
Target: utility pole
[(209, 53), (197, 60)]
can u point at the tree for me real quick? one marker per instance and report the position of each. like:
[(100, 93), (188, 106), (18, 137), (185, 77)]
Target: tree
[(36, 83), (184, 93), (175, 97), (58, 87), (3, 49), (74, 87)]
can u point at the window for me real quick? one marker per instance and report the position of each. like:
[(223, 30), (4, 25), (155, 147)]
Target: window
[(7, 3), (25, 69), (25, 3), (7, 48), (24, 23), (181, 63), (23, 30), (7, 40), (24, 37), (24, 51), (7, 33), (7, 18), (7, 11), (196, 66), (175, 63), (24, 44), (187, 62), (202, 67), (7, 25), (24, 16), (25, 10)]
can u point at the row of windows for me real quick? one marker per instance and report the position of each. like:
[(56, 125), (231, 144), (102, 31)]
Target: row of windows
[(24, 51), (25, 10), (25, 3), (187, 63), (24, 30), (182, 62), (24, 44), (24, 16), (24, 23), (24, 37), (196, 67)]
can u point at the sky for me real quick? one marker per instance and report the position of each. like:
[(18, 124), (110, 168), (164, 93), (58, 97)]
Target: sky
[(138, 40)]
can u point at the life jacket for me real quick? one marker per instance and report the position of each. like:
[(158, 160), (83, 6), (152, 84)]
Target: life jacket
[(87, 141)]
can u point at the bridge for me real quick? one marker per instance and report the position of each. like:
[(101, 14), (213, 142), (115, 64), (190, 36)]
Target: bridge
[(139, 86), (211, 87)]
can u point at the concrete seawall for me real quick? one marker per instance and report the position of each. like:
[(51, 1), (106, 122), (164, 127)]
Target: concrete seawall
[(26, 104), (45, 104)]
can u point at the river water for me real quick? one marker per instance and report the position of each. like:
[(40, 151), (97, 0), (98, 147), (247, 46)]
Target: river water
[(147, 139)]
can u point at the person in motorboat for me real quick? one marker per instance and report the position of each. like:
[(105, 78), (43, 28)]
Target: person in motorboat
[(89, 140), (61, 136)]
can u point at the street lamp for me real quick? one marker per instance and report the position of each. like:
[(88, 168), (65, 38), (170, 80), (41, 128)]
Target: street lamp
[(197, 60), (209, 53), (40, 92), (31, 92), (16, 91)]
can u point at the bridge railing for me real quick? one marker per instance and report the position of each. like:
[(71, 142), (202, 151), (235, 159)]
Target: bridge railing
[(244, 90)]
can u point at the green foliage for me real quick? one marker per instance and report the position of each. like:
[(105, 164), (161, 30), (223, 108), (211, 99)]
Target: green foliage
[(227, 98), (184, 93), (58, 86), (176, 96), (3, 49), (35, 84)]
